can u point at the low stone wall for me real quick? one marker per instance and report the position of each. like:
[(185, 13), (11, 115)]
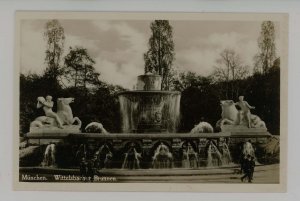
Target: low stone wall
[(146, 144)]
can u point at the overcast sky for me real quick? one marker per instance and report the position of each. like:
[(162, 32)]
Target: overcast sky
[(118, 46)]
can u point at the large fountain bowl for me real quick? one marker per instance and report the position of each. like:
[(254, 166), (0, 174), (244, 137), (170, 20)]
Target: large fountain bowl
[(149, 111)]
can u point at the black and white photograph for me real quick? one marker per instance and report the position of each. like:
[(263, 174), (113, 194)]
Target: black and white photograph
[(151, 98)]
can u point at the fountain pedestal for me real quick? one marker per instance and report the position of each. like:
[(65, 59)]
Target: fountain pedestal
[(148, 109), (147, 143)]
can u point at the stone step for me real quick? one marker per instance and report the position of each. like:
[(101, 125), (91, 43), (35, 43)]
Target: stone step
[(143, 172)]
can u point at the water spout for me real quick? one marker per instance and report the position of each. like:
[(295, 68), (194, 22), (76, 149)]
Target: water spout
[(103, 157), (162, 158), (226, 156), (132, 159), (214, 157), (189, 157), (49, 156)]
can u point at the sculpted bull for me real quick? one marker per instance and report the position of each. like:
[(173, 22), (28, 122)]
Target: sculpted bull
[(231, 116)]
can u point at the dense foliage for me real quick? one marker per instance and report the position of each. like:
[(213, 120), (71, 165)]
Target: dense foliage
[(200, 98), (100, 104)]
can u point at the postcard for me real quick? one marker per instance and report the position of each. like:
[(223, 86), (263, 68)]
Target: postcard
[(112, 101)]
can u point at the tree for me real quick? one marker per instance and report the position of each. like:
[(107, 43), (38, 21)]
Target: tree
[(267, 50), (79, 68), (230, 70), (55, 38), (160, 56), (198, 100)]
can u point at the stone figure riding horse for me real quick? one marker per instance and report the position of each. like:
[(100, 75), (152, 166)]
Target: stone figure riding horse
[(64, 112), (230, 116)]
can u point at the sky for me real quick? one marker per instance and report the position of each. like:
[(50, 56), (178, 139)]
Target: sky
[(118, 46)]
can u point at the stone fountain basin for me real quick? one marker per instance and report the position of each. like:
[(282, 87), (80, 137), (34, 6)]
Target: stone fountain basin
[(235, 137), (149, 111), (51, 135), (149, 92), (145, 141)]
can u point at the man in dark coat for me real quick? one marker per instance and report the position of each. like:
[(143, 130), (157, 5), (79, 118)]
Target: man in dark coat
[(247, 169), (242, 163), (252, 166)]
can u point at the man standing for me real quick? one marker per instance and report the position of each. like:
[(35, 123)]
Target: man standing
[(252, 166), (247, 169), (245, 110)]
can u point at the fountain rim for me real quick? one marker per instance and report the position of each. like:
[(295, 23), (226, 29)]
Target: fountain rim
[(149, 75), (151, 136), (148, 92)]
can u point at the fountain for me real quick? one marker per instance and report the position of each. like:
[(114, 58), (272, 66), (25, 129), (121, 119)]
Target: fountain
[(150, 118), (49, 156), (214, 157), (162, 157), (148, 109), (132, 158), (103, 157), (189, 157), (226, 155)]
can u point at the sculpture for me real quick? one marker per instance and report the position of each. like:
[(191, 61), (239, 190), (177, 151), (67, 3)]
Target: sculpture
[(47, 105), (132, 158), (95, 127), (231, 116), (202, 127), (245, 111), (190, 157), (64, 115), (103, 157), (162, 158)]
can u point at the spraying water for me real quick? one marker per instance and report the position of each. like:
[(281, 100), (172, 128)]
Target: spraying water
[(49, 156), (148, 111), (128, 109), (226, 156), (162, 158), (172, 115), (214, 157), (189, 157), (132, 159)]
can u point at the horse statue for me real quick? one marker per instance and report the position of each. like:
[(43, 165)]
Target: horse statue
[(231, 116), (64, 114)]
